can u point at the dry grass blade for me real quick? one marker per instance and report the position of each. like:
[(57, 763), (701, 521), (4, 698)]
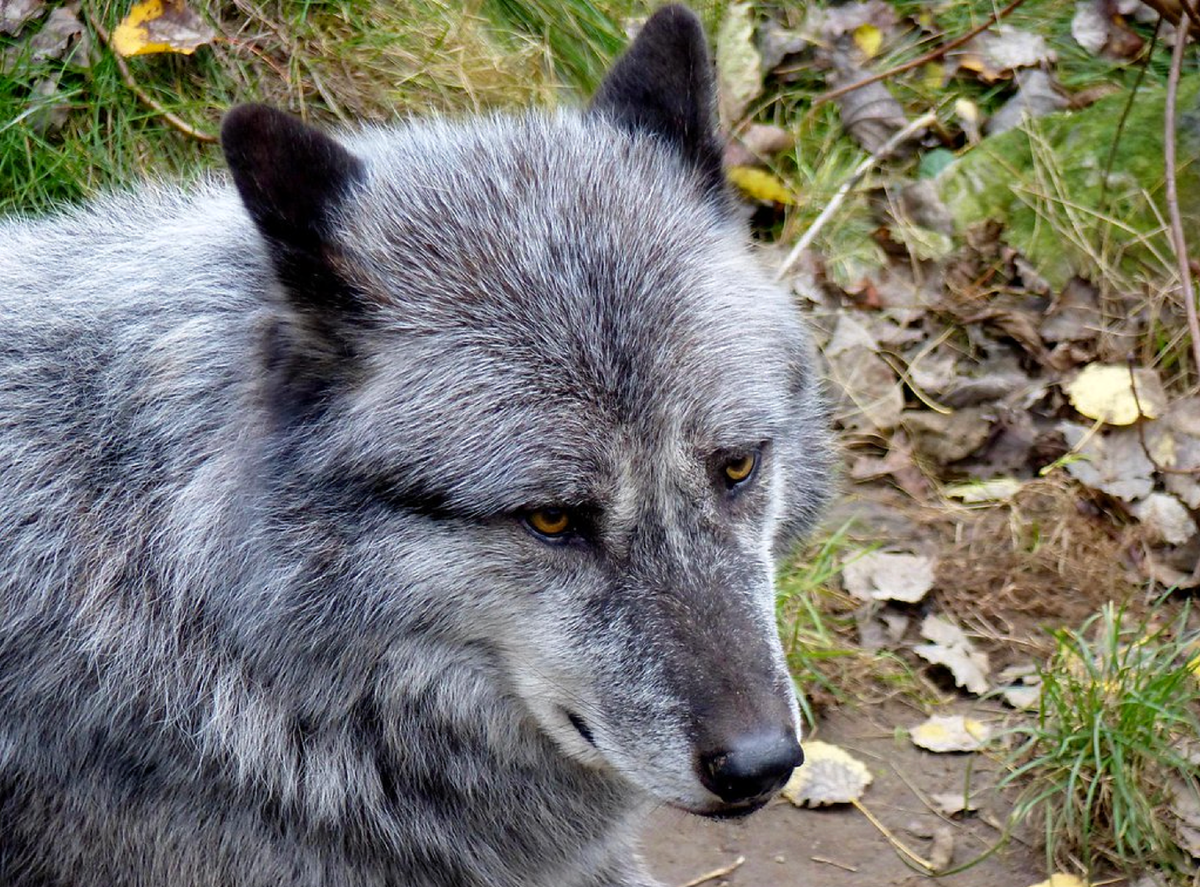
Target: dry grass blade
[(1172, 197)]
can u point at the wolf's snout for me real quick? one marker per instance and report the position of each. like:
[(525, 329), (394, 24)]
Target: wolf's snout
[(751, 768)]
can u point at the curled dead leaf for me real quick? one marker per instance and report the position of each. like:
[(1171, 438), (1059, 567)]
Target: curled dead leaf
[(830, 775), (951, 648)]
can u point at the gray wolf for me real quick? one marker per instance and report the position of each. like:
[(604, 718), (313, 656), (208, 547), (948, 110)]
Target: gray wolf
[(404, 511)]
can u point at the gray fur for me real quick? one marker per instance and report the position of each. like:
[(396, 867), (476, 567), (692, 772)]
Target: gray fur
[(242, 649)]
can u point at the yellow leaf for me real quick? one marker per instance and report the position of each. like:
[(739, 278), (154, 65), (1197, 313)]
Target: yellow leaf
[(830, 775), (868, 39), (1103, 391), (759, 184), (946, 733), (1059, 879), (967, 110), (160, 26), (933, 75)]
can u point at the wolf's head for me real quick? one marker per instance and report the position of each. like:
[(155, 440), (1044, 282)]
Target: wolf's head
[(555, 409)]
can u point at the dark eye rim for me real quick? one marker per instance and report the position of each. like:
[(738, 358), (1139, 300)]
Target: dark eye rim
[(571, 535), (728, 457)]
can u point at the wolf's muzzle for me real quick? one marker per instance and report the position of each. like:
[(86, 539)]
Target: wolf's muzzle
[(750, 769)]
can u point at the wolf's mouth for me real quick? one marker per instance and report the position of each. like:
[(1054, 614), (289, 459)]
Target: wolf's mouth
[(578, 723)]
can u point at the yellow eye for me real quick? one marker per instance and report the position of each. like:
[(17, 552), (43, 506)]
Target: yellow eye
[(549, 521), (737, 470)]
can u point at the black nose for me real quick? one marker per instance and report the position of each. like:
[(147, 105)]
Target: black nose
[(751, 768)]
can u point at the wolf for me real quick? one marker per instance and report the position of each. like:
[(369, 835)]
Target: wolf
[(402, 510)]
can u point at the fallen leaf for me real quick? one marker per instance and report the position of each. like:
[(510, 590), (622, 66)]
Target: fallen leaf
[(871, 398), (1075, 316), (161, 26), (998, 489), (1113, 463), (1165, 518), (766, 141), (739, 66), (48, 115), (1103, 391), (941, 851), (1090, 26), (830, 775), (775, 43), (948, 437), (845, 18), (953, 804), (1037, 95), (995, 54), (14, 14), (886, 576), (871, 115), (1185, 809), (953, 649), (868, 39), (1024, 697), (759, 184), (950, 733), (1060, 879), (61, 37)]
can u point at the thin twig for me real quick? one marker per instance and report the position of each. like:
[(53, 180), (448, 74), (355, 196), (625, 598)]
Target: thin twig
[(931, 56), (892, 839), (178, 122), (859, 171), (715, 873), (1172, 195), (834, 863)]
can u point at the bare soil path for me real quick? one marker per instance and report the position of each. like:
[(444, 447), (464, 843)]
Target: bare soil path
[(839, 847)]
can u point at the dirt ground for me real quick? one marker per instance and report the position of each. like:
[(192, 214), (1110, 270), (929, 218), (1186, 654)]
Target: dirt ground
[(838, 846)]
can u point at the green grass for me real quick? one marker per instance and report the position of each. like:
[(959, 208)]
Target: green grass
[(1119, 703), (326, 60)]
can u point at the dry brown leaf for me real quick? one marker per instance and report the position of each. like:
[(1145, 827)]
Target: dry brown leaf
[(995, 54), (1165, 518), (870, 115), (953, 649), (161, 26), (1113, 463), (888, 576), (953, 803), (15, 14), (1038, 94), (830, 775)]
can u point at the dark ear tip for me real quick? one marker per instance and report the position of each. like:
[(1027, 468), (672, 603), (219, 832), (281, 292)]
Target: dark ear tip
[(678, 27), (245, 123)]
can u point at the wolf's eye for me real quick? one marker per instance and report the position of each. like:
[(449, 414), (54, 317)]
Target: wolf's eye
[(740, 468), (550, 522)]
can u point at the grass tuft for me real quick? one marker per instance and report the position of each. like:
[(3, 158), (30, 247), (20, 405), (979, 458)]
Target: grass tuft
[(1113, 744)]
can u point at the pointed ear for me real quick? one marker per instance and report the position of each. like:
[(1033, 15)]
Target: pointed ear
[(663, 84), (288, 174)]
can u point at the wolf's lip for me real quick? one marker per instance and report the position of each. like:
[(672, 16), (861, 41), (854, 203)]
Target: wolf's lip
[(728, 811), (578, 723)]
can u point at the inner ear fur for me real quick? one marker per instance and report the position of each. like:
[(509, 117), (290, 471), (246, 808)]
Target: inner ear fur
[(663, 84)]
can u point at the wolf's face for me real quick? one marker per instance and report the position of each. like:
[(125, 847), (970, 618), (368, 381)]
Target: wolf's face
[(540, 354)]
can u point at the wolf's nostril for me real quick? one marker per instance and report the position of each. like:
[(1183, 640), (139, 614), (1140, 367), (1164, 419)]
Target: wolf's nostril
[(751, 768)]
